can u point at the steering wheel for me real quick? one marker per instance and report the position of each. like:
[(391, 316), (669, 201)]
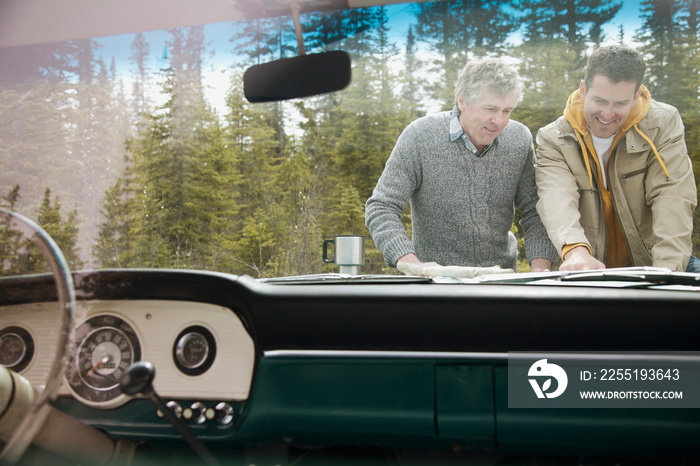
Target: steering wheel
[(34, 418)]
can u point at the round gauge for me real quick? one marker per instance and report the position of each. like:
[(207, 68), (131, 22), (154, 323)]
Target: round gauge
[(16, 348), (194, 350), (107, 346)]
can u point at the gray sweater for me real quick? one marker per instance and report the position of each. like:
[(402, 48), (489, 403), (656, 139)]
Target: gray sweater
[(461, 204)]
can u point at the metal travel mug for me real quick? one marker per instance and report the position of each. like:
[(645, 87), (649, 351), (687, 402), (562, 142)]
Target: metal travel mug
[(349, 253)]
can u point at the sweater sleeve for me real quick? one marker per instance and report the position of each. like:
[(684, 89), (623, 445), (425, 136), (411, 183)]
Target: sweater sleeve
[(537, 242), (384, 209)]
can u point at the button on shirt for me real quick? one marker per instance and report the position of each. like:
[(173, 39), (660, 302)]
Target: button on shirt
[(456, 132)]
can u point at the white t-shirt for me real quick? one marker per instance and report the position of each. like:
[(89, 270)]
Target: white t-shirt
[(602, 148)]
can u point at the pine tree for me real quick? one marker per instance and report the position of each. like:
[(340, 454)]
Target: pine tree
[(459, 29), (139, 61), (410, 96), (670, 36), (266, 39), (178, 200), (103, 127), (664, 52), (256, 250), (545, 67), (370, 124), (114, 245), (63, 232), (10, 239), (574, 21), (252, 137), (553, 53), (301, 174), (18, 255), (34, 117)]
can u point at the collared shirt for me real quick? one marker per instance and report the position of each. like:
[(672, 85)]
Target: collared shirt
[(456, 132)]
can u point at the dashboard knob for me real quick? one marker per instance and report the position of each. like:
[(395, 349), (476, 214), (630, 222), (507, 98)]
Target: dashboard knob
[(199, 410), (174, 408), (138, 378), (224, 413)]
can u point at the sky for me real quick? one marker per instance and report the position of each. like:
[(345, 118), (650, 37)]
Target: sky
[(217, 67)]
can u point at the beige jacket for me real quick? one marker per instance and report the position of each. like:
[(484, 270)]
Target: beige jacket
[(651, 195)]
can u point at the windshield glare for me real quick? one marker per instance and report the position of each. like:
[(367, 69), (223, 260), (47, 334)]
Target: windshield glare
[(140, 150)]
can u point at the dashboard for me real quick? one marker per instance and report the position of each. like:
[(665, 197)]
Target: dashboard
[(395, 362)]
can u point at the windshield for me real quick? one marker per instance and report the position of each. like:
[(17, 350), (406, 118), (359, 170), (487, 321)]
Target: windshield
[(140, 150)]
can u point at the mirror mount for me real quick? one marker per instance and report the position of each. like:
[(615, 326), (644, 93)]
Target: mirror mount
[(296, 16)]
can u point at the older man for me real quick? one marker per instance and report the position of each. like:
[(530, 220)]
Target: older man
[(614, 177), (462, 172)]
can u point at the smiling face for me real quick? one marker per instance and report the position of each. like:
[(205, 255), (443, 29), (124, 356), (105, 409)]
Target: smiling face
[(606, 105), (485, 118)]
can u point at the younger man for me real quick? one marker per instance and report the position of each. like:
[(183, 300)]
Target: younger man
[(615, 181)]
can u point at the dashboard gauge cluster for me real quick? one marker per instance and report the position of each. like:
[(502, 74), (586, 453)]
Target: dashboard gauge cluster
[(200, 351)]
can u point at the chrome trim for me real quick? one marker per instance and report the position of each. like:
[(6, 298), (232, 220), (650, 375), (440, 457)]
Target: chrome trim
[(382, 354), (676, 356)]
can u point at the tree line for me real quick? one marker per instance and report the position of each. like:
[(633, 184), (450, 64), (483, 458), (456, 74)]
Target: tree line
[(256, 190)]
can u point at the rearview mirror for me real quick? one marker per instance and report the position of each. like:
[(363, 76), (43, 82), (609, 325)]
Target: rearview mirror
[(302, 76)]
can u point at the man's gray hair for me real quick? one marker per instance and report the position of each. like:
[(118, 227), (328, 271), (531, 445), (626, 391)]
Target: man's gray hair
[(487, 73)]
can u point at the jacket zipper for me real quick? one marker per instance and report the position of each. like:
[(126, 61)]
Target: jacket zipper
[(624, 177)]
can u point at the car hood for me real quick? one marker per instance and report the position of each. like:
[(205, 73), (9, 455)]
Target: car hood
[(630, 277)]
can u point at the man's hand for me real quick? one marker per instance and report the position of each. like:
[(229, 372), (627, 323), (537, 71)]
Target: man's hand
[(416, 267), (412, 259), (579, 258), (540, 265)]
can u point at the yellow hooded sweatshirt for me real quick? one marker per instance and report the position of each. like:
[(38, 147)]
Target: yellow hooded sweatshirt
[(616, 248)]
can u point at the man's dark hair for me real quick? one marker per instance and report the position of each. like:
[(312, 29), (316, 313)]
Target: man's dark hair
[(617, 63)]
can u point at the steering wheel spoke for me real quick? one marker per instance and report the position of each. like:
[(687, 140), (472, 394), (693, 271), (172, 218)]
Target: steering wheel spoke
[(26, 414)]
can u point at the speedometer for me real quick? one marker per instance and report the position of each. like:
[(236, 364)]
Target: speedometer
[(107, 346)]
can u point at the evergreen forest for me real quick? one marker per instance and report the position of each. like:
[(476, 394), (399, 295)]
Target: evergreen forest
[(128, 163)]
